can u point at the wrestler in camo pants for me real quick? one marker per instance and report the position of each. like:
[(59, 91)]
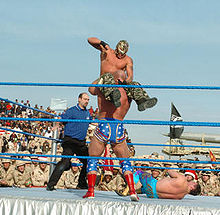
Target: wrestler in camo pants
[(132, 93)]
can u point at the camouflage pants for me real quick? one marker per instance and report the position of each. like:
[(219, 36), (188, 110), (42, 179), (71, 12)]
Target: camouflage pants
[(133, 93)]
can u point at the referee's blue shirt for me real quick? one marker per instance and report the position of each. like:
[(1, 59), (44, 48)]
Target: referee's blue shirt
[(76, 130)]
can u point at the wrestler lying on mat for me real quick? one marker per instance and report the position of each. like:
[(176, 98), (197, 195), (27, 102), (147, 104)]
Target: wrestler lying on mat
[(173, 187)]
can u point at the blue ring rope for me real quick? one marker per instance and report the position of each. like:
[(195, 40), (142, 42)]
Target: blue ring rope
[(102, 165), (166, 145), (30, 134), (110, 158), (140, 122), (37, 161), (137, 144), (210, 124), (163, 168), (35, 109), (23, 159), (103, 85)]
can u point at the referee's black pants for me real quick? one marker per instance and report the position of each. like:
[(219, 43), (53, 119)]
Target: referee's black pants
[(71, 146)]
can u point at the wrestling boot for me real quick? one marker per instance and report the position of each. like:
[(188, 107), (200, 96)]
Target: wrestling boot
[(146, 102), (91, 184), (130, 180), (115, 97)]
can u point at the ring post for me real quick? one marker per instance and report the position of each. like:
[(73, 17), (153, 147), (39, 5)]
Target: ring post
[(53, 149)]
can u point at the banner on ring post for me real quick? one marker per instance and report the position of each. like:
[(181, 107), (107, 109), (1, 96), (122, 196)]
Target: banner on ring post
[(58, 104)]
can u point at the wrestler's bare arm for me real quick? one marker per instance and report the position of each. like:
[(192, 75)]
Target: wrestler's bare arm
[(94, 90), (129, 69), (173, 174), (96, 43)]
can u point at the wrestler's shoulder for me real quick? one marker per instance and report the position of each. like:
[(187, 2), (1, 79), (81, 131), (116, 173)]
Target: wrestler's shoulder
[(180, 180), (128, 59)]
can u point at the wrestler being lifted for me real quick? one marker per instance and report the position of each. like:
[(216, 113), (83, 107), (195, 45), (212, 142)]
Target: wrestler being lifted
[(112, 61)]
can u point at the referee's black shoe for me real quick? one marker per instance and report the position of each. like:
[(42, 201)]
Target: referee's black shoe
[(50, 188)]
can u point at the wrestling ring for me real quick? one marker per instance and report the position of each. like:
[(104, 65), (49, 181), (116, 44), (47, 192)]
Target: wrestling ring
[(69, 201)]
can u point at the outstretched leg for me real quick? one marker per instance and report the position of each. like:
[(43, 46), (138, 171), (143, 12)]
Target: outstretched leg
[(140, 96)]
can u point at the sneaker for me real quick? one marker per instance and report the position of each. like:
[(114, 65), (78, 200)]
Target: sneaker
[(50, 188), (145, 103), (115, 97)]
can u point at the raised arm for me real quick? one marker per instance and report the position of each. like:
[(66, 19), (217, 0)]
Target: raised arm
[(98, 44)]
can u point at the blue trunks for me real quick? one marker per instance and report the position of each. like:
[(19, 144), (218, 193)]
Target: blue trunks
[(148, 183), (110, 132)]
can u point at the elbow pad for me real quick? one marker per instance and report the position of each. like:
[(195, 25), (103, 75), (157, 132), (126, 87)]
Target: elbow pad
[(103, 44)]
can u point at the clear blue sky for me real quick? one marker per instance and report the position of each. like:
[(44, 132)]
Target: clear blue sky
[(172, 42)]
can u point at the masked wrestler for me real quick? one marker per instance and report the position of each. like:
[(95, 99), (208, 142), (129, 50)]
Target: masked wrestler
[(112, 61)]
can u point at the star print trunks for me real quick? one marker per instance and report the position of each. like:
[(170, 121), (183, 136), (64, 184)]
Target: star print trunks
[(113, 132), (148, 183)]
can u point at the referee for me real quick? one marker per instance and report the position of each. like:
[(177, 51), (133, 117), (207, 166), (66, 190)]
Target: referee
[(73, 142)]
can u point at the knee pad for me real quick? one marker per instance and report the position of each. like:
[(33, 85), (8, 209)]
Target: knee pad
[(126, 166), (92, 165)]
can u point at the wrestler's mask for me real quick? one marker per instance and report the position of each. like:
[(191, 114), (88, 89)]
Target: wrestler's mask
[(121, 48)]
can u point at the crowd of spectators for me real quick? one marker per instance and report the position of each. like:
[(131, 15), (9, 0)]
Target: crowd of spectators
[(30, 173)]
